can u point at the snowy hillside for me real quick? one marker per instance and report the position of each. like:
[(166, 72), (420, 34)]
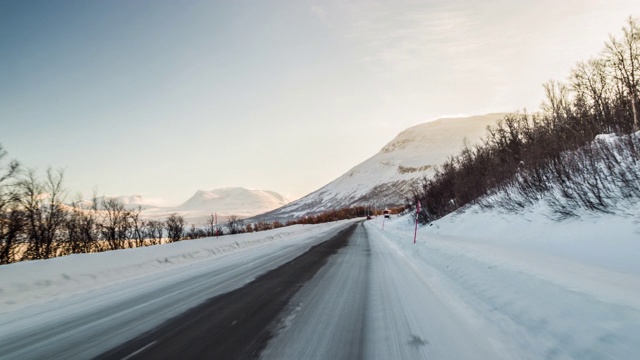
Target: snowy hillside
[(385, 179), (232, 201), (557, 289), (225, 202)]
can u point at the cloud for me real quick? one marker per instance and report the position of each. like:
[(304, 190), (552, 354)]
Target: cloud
[(468, 56), (402, 37), (318, 11)]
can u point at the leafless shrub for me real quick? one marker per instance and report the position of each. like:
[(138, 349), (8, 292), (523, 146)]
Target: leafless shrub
[(175, 227)]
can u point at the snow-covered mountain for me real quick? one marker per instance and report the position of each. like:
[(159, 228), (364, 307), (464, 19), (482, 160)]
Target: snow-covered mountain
[(225, 202), (234, 201), (386, 178), (130, 202)]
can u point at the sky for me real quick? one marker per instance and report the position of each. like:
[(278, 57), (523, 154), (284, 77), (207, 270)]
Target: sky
[(163, 98)]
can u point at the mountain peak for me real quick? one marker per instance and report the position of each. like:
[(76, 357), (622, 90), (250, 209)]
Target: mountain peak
[(233, 201), (386, 178)]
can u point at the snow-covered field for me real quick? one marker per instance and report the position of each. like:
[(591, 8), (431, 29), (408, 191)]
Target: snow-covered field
[(26, 283), (372, 302), (76, 307), (542, 289), (485, 284)]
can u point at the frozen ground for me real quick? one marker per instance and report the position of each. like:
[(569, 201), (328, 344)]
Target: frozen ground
[(475, 285), (541, 289), (76, 307), (372, 302)]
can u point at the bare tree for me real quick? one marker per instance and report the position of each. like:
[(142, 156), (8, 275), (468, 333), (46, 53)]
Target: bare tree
[(196, 233), (211, 226), (137, 227), (624, 56), (81, 228), (154, 230), (43, 206), (557, 101), (115, 224), (235, 225), (175, 227), (11, 217), (591, 83)]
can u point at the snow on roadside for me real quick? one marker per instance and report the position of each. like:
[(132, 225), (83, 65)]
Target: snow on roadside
[(610, 241), (29, 282), (566, 289)]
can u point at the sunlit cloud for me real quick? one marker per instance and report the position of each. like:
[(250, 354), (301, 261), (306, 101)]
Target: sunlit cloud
[(403, 37), (318, 11)]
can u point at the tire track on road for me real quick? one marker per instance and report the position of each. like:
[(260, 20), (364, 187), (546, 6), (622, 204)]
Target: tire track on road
[(235, 325)]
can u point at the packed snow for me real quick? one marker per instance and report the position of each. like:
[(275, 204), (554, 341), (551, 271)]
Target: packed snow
[(478, 283), (79, 306), (28, 283), (369, 302), (543, 289)]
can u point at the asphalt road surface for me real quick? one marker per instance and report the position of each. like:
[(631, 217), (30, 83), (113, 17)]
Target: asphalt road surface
[(91, 323), (235, 325), (349, 294), (354, 296)]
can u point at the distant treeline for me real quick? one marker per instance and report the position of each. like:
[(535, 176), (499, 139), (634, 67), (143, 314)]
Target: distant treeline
[(342, 214), (552, 154), (36, 221), (323, 217)]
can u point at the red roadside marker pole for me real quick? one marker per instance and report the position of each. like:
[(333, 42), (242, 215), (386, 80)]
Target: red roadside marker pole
[(415, 232)]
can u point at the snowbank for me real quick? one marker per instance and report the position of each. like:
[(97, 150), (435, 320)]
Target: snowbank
[(610, 241), (545, 289), (25, 283)]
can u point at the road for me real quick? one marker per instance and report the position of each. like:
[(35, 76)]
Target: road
[(89, 324), (348, 298), (369, 302), (352, 295), (237, 324)]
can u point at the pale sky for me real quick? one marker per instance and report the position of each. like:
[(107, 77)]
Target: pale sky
[(162, 98)]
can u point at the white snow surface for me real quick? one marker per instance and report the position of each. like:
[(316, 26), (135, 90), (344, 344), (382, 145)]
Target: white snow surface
[(475, 285), (27, 283), (371, 302), (77, 307), (386, 178), (538, 288)]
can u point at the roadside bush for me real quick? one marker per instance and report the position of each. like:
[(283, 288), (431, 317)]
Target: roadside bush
[(552, 154)]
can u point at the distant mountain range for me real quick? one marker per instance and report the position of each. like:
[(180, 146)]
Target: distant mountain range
[(233, 201), (130, 202), (224, 202), (386, 178)]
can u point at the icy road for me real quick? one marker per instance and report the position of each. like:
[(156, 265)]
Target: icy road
[(343, 291), (367, 302), (370, 303)]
